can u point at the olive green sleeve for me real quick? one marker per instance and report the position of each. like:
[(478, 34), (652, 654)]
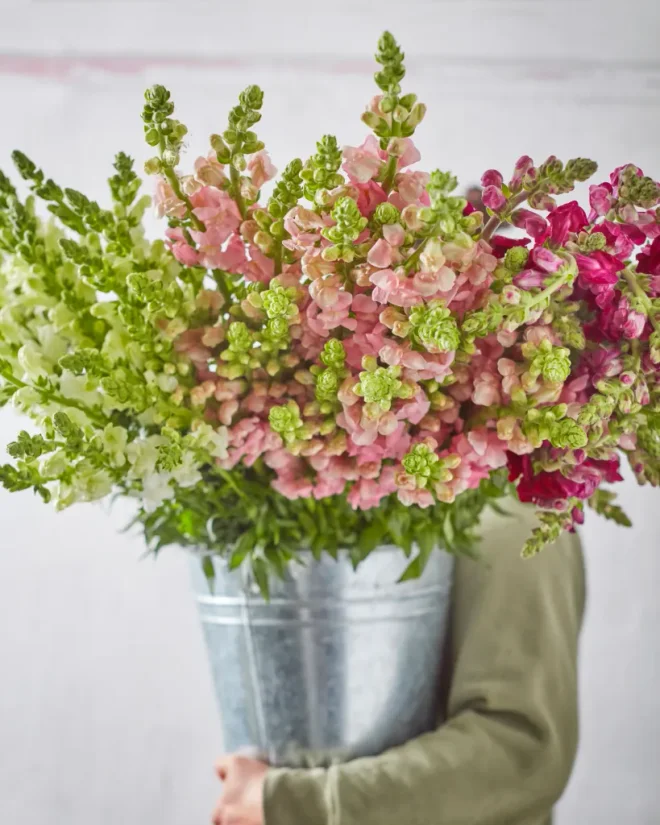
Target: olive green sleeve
[(505, 753)]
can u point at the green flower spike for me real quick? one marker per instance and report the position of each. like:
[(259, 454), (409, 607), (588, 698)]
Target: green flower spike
[(420, 463), (286, 421), (515, 258), (444, 217), (433, 327), (379, 386), (568, 435), (239, 354), (278, 301), (321, 171), (553, 364), (349, 223), (328, 380), (385, 213), (427, 468), (333, 354)]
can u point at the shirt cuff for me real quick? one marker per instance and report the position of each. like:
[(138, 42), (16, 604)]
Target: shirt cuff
[(296, 797)]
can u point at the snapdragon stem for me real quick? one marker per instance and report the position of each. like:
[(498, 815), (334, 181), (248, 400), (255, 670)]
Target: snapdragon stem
[(235, 178), (410, 262), (230, 481), (277, 258), (219, 278), (392, 163), (495, 221), (390, 172), (59, 399), (174, 182), (643, 298)]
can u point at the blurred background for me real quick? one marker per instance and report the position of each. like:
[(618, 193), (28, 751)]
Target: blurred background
[(106, 708)]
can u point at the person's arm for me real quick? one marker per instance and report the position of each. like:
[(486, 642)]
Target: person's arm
[(506, 751)]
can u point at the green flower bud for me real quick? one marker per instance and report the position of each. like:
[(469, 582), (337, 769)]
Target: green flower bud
[(153, 166), (390, 57), (333, 354), (386, 213), (557, 365), (327, 385), (277, 331), (286, 421), (435, 329), (348, 221), (568, 435), (515, 258), (279, 302), (581, 169), (594, 242), (416, 116), (648, 439), (239, 337), (421, 463), (654, 345), (251, 98), (380, 386)]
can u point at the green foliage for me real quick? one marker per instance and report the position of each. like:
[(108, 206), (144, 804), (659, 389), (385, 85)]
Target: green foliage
[(124, 184), (242, 519), (551, 526), (602, 501)]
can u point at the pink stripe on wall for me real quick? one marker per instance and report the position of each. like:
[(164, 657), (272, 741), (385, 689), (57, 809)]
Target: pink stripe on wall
[(60, 67)]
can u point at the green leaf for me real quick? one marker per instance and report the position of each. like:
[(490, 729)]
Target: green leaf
[(499, 510), (277, 561), (308, 524), (317, 547), (187, 522), (244, 546), (209, 572), (370, 538), (448, 528), (416, 566), (426, 541), (260, 570)]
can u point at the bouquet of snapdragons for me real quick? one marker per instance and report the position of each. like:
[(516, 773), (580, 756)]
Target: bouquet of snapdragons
[(359, 360)]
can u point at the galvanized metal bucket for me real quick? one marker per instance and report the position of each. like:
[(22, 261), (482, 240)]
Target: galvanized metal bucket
[(338, 664)]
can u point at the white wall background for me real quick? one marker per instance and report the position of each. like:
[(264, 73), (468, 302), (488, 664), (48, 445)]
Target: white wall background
[(106, 710)]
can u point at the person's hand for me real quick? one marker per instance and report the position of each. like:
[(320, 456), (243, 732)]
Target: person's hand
[(241, 800)]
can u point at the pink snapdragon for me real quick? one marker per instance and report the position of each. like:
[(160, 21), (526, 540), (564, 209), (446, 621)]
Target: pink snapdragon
[(260, 168), (362, 163), (346, 337)]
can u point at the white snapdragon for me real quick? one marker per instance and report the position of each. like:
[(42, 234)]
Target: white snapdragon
[(142, 455), (187, 473), (53, 345), (25, 399), (54, 464), (90, 483), (213, 441), (61, 317), (156, 488), (114, 440), (166, 383), (32, 362), (77, 388)]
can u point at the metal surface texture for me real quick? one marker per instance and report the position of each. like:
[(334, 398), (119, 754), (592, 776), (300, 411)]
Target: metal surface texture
[(338, 664)]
